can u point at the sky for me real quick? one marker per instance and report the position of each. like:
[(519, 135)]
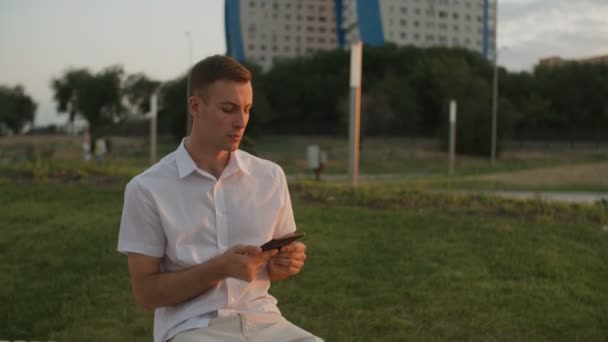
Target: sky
[(40, 39)]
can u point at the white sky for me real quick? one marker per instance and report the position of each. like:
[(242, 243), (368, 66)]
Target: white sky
[(39, 39)]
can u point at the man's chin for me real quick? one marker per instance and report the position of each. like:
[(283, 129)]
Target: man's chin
[(232, 147)]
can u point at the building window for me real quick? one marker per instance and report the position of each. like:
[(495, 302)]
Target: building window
[(416, 23), (455, 15), (443, 14), (263, 47), (403, 35), (403, 22), (403, 10), (251, 47)]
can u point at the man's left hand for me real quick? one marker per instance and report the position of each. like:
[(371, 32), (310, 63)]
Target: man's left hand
[(288, 261)]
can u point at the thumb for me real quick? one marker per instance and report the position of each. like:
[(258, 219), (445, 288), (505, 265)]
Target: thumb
[(247, 249)]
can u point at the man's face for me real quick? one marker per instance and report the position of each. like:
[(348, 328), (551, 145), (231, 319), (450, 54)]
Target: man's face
[(221, 113)]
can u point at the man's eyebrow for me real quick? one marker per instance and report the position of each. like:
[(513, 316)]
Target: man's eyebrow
[(229, 103), (233, 104)]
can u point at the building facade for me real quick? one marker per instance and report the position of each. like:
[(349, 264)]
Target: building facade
[(558, 61), (263, 31)]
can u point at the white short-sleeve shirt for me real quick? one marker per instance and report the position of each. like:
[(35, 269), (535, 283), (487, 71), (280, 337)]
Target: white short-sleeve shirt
[(183, 214)]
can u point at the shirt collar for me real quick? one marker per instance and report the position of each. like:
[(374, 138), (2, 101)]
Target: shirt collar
[(185, 164)]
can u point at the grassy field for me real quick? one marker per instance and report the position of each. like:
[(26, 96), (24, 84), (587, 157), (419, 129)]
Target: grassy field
[(414, 163), (384, 265)]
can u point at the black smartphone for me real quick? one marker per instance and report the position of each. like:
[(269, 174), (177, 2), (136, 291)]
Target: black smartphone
[(282, 241)]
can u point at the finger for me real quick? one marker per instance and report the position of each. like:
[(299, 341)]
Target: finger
[(247, 249), (286, 255), (288, 262), (295, 246), (288, 269), (270, 253)]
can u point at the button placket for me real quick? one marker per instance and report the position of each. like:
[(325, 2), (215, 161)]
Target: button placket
[(222, 231)]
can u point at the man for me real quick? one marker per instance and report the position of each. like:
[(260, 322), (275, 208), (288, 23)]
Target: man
[(192, 224)]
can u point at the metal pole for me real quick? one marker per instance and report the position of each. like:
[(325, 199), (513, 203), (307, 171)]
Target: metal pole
[(355, 112), (452, 157), (495, 87), (188, 116), (153, 130)]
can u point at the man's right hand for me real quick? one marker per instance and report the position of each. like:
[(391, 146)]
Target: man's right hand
[(244, 262)]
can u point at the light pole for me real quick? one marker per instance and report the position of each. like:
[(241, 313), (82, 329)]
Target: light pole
[(188, 117), (494, 108), (495, 87)]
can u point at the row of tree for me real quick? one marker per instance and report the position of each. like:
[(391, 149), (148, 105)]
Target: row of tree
[(406, 91), (17, 109)]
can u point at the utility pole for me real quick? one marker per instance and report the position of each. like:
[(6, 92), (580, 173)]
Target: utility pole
[(452, 137), (356, 57), (188, 116), (495, 87), (153, 130)]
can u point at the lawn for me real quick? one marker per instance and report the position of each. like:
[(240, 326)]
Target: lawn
[(415, 163), (383, 266)]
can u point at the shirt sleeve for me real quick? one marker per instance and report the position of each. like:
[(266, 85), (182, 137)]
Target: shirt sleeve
[(141, 230), (285, 223)]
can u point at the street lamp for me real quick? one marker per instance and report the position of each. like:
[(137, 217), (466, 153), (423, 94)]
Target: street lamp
[(495, 87), (495, 104), (494, 108), (188, 116)]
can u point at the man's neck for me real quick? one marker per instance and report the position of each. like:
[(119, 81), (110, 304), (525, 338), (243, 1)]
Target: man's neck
[(212, 161)]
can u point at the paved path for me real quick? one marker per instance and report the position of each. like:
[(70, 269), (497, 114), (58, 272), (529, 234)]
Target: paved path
[(571, 197)]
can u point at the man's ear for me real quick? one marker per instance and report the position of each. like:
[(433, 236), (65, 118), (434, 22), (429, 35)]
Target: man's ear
[(194, 105)]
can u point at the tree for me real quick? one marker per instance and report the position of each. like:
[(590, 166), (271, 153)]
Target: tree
[(16, 108), (172, 108), (138, 90), (95, 97)]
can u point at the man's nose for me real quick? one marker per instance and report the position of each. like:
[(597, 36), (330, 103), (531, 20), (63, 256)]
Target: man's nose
[(240, 120)]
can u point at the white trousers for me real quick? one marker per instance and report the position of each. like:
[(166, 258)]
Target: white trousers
[(250, 327)]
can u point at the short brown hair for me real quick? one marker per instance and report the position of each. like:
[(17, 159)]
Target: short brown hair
[(215, 68)]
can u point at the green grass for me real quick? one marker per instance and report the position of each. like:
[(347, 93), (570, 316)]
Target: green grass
[(383, 266), (390, 160)]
